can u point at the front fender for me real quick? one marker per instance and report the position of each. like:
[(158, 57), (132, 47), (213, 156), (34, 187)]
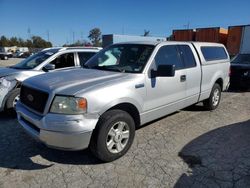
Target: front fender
[(120, 101), (5, 91)]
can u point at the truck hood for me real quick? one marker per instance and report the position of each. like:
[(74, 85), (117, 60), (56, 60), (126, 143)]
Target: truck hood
[(5, 71), (71, 82)]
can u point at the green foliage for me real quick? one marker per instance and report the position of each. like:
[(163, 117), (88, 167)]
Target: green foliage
[(35, 42), (4, 41), (38, 42), (95, 36), (78, 43)]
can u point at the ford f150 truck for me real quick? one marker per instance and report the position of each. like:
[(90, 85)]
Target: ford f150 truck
[(119, 89)]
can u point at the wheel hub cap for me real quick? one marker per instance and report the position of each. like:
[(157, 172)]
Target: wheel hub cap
[(117, 137), (15, 100), (216, 97)]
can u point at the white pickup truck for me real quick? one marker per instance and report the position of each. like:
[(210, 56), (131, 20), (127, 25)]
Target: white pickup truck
[(122, 87)]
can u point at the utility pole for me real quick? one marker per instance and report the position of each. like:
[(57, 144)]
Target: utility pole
[(81, 36), (187, 25), (29, 33), (48, 35), (123, 30), (73, 37)]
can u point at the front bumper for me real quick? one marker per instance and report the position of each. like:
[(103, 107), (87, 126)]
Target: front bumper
[(65, 132)]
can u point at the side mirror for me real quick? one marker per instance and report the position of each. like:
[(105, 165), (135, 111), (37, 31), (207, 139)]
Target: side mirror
[(49, 67), (164, 71)]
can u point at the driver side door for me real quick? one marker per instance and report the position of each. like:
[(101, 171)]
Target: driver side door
[(165, 94)]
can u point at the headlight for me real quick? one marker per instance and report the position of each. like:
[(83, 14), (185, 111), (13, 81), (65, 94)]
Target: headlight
[(7, 81), (68, 105)]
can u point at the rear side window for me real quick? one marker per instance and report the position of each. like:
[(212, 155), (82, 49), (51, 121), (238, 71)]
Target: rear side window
[(211, 53), (85, 56), (168, 55), (187, 56)]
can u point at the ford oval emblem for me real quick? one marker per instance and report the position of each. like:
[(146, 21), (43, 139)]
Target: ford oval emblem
[(30, 97)]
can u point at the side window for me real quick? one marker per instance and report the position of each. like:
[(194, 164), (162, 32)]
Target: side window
[(168, 55), (187, 56), (212, 53), (85, 56), (64, 60)]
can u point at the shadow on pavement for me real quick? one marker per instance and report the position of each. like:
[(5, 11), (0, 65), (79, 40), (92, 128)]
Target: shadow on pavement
[(219, 158), (195, 108), (19, 151)]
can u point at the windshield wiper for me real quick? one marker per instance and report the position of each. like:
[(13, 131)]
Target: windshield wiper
[(13, 67), (85, 66), (109, 68)]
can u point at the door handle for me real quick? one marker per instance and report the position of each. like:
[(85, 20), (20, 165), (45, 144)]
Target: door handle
[(183, 78)]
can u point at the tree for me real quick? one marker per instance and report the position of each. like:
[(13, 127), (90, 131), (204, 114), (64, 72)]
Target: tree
[(146, 33), (13, 41), (95, 36), (28, 43), (77, 43), (4, 41), (35, 42), (21, 42), (38, 42)]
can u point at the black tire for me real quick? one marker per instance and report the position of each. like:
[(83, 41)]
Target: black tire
[(209, 103), (99, 140), (10, 101)]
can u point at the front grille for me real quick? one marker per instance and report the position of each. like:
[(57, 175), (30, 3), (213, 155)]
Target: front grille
[(33, 98)]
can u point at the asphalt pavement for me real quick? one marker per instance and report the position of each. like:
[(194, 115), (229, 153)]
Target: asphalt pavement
[(190, 148)]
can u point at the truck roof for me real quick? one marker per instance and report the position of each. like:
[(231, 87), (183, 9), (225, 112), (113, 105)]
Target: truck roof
[(73, 48), (170, 42)]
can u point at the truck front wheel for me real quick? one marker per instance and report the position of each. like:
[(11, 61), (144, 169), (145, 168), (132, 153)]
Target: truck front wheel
[(214, 99), (113, 135), (12, 100)]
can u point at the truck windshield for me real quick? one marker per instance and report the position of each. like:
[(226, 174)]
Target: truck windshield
[(130, 58), (34, 60), (241, 59)]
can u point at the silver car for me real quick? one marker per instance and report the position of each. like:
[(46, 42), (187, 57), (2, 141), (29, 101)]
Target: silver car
[(47, 60), (122, 87)]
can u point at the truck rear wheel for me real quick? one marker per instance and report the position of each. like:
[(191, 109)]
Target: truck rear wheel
[(113, 135), (214, 99)]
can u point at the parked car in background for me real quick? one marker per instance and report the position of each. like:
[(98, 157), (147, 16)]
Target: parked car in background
[(123, 87), (22, 54), (240, 72), (52, 59), (5, 55)]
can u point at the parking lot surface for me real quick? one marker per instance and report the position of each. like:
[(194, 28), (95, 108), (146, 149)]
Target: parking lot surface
[(9, 62), (190, 148)]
